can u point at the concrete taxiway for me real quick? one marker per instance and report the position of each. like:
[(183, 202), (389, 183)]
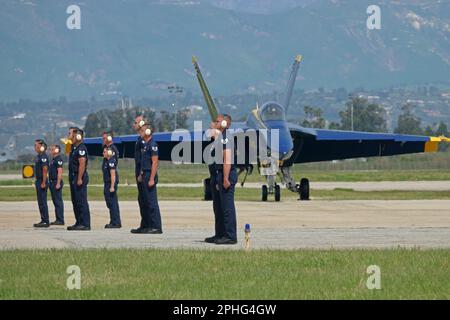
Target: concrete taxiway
[(283, 225), (356, 186)]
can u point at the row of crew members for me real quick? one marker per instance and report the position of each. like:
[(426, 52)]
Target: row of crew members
[(54, 169), (223, 180), (146, 177)]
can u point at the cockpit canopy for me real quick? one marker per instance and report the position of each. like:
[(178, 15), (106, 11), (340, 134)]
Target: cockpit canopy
[(271, 111)]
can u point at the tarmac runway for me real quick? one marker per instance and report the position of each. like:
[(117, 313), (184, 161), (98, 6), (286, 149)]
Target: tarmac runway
[(292, 224), (356, 186)]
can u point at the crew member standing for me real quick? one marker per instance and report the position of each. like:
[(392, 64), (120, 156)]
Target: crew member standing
[(111, 181), (79, 180), (217, 208), (226, 181), (70, 137), (56, 184), (41, 183), (149, 178), (138, 123)]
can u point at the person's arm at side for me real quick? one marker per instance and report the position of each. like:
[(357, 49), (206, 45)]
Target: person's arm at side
[(226, 168), (137, 154), (81, 170), (59, 178), (155, 160), (113, 180), (44, 176)]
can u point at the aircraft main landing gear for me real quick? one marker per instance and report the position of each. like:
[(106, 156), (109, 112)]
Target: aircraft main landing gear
[(275, 190), (303, 189)]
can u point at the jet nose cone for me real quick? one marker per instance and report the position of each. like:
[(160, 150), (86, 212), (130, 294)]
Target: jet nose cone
[(286, 155)]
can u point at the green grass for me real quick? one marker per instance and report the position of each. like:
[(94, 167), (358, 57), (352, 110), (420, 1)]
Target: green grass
[(27, 193), (426, 167), (196, 174), (410, 162), (96, 193), (376, 175), (259, 274)]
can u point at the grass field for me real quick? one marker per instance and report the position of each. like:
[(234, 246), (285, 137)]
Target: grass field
[(408, 162), (196, 174), (263, 274), (27, 193), (236, 274)]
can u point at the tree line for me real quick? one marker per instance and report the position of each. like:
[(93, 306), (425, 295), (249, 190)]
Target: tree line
[(361, 115), (358, 115), (121, 119)]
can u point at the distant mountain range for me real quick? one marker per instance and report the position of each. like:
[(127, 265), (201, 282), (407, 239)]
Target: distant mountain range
[(260, 6), (139, 47)]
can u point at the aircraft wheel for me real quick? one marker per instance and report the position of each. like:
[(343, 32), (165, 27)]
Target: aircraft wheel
[(207, 192), (265, 192), (277, 193), (304, 189)]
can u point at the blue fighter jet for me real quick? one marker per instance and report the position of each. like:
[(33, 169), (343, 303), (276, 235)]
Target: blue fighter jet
[(294, 143)]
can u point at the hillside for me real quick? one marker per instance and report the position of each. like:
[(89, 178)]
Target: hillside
[(137, 47)]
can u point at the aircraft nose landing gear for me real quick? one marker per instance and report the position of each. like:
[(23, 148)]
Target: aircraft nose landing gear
[(277, 193), (275, 190), (265, 193)]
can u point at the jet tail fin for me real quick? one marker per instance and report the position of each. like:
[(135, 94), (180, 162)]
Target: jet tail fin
[(209, 101), (291, 82)]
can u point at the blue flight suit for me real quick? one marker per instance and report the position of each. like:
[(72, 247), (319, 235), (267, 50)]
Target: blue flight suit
[(152, 217), (57, 199), (217, 207), (227, 195), (140, 185), (111, 199), (41, 161), (79, 193)]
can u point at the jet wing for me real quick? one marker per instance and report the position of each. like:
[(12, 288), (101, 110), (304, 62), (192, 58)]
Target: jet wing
[(310, 145), (166, 143), (314, 145)]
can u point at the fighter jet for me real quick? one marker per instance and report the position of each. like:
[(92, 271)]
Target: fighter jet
[(294, 143)]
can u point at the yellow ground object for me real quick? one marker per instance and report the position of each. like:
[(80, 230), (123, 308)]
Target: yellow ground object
[(28, 171), (433, 144), (444, 139), (67, 144)]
